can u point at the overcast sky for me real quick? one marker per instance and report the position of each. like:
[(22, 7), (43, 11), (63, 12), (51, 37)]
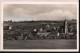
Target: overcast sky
[(23, 12)]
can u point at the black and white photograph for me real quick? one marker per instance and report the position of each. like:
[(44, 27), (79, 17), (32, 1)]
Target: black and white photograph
[(28, 26)]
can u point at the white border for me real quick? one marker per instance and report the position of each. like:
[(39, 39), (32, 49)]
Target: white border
[(41, 50)]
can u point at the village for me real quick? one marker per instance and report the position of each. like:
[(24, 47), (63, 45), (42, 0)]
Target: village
[(40, 30)]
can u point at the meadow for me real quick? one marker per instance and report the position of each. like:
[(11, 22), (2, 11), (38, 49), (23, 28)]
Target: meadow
[(41, 44)]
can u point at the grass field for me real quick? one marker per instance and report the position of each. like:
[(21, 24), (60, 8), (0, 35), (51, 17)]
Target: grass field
[(40, 44)]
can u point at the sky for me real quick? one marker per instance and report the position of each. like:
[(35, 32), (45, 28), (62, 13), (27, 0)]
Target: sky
[(28, 12)]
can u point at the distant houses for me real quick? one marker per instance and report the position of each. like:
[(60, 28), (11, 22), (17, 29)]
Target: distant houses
[(48, 29), (7, 27)]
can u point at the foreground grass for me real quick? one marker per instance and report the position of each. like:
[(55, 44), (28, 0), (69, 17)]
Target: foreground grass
[(40, 44)]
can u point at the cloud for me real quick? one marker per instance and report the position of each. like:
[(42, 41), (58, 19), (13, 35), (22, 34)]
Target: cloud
[(59, 14), (40, 11)]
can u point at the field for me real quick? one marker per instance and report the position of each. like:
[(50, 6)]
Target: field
[(41, 44)]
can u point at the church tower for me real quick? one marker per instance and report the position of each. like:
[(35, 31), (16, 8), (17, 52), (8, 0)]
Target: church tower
[(66, 26)]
